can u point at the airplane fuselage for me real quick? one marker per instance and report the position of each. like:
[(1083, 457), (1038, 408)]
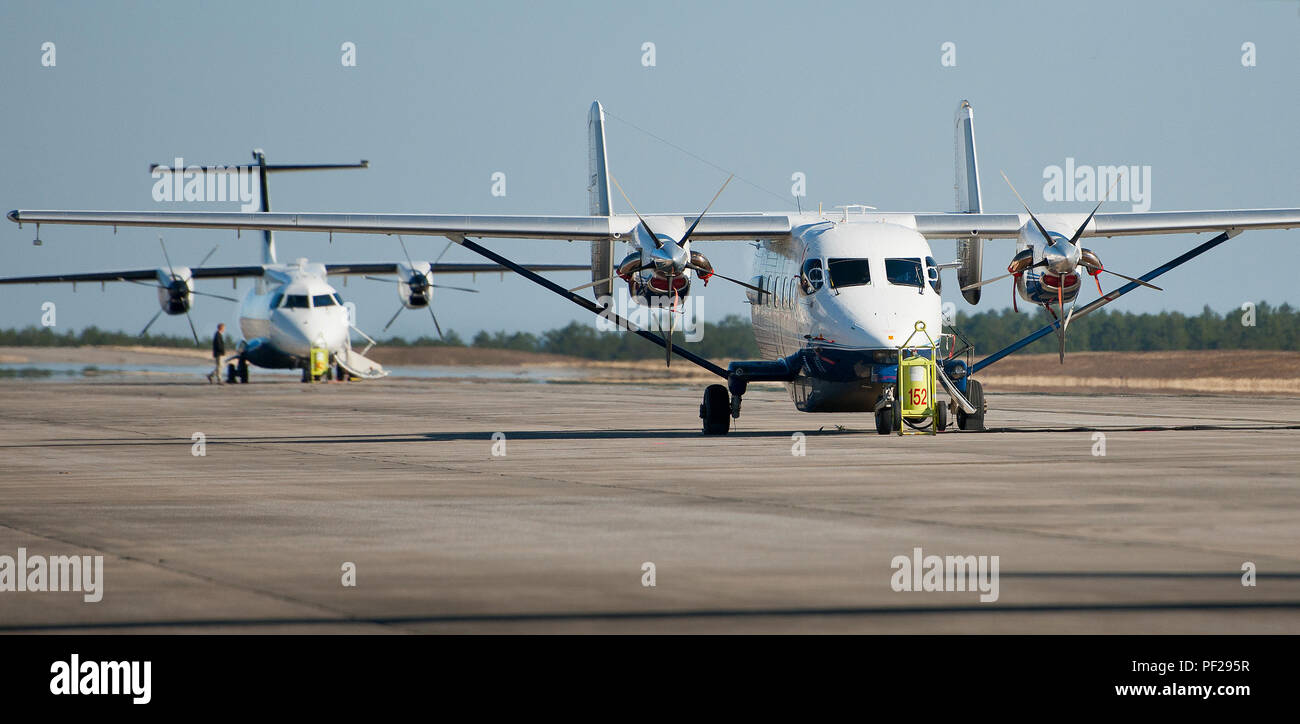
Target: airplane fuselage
[(290, 310), (847, 295)]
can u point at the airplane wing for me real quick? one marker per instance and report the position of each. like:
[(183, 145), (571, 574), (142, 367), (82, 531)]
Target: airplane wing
[(227, 272), (956, 225), (391, 267), (720, 226), (712, 227), (131, 275)]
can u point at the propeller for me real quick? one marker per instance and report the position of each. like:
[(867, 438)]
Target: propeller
[(1061, 263), (179, 286), (424, 284)]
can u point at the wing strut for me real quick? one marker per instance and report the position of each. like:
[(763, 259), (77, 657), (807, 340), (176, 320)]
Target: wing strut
[(590, 306), (1104, 300)]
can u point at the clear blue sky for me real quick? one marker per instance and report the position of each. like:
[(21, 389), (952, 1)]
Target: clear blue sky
[(445, 94)]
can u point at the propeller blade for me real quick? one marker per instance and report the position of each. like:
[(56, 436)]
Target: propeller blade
[(746, 285), (379, 279), (1137, 281), (193, 331), (392, 319), (977, 285), (672, 317), (404, 252), (166, 258), (659, 244), (1060, 304), (209, 256), (435, 321), (699, 218), (444, 253), (214, 296), (1079, 232), (459, 289), (592, 284), (145, 331), (1041, 230), (192, 291)]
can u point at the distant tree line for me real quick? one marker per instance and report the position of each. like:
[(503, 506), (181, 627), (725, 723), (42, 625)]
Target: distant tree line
[(1104, 330), (732, 337)]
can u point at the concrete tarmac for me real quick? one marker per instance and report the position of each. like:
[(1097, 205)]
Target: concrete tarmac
[(761, 531)]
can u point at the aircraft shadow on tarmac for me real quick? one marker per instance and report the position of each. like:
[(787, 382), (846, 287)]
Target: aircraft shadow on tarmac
[(706, 613), (599, 435)]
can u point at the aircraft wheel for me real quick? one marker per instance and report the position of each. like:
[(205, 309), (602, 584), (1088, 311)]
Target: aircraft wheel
[(231, 374), (242, 371), (940, 418), (341, 373), (883, 417), (975, 394), (715, 411)]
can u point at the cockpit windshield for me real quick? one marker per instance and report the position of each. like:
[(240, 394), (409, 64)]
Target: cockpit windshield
[(904, 272), (322, 300), (296, 301), (848, 272)]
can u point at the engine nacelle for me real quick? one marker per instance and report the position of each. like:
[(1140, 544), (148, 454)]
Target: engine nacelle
[(415, 284), (175, 290)]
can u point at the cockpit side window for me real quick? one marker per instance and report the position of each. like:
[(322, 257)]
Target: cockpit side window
[(275, 300), (932, 274), (296, 301), (904, 272), (322, 300), (848, 272), (812, 277)]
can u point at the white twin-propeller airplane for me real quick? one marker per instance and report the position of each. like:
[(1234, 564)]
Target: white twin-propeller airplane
[(834, 297), (291, 308)]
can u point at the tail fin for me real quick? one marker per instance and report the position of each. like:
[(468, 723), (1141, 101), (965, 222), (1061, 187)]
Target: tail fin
[(970, 250), (602, 251)]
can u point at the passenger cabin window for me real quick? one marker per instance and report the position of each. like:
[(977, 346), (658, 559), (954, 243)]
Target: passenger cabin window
[(811, 278), (323, 300), (848, 272), (932, 274), (296, 301), (904, 272)]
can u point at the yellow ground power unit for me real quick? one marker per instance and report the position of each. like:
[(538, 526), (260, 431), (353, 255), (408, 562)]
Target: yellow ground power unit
[(916, 382), (320, 362)]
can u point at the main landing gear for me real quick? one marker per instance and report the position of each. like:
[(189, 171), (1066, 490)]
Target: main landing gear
[(237, 371), (715, 411), (975, 395)]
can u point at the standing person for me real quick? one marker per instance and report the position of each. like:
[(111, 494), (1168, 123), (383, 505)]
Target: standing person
[(218, 349)]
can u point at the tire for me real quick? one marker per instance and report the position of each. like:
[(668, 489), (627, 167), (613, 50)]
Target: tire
[(306, 374), (242, 371), (883, 418), (975, 395), (341, 373), (940, 418), (230, 373), (715, 411)]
